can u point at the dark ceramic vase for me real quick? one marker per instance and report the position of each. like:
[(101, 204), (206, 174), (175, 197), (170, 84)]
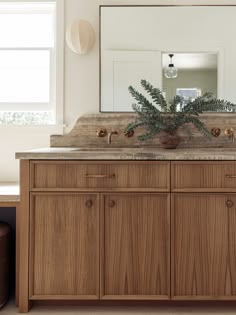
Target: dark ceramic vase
[(169, 139)]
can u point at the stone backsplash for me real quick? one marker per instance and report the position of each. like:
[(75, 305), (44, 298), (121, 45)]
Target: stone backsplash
[(83, 134)]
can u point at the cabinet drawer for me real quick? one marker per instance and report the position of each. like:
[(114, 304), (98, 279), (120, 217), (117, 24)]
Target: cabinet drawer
[(76, 175), (203, 176)]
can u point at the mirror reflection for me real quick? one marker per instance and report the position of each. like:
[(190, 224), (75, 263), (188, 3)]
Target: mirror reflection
[(189, 75), (139, 47)]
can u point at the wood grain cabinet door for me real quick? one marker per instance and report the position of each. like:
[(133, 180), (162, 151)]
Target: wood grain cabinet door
[(136, 244), (64, 246), (203, 246)]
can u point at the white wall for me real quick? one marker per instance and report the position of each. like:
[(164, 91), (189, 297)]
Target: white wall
[(81, 85), (81, 72)]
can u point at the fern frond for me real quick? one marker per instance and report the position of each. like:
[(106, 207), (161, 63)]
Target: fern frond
[(147, 136), (178, 120), (207, 103), (156, 95), (133, 125), (143, 101), (148, 116), (175, 102), (151, 118), (188, 131), (200, 126)]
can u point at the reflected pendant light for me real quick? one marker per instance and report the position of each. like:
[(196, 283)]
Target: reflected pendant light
[(170, 72)]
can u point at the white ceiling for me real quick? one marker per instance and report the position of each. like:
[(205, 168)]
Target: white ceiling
[(194, 61)]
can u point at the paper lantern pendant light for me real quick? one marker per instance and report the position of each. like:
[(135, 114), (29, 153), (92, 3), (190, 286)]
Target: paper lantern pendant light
[(80, 36)]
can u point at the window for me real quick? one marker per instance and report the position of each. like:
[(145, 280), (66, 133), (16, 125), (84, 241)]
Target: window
[(28, 62), (188, 94)]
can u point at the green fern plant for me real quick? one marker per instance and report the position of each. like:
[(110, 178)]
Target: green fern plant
[(161, 117)]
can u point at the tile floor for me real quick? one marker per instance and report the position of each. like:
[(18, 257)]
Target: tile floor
[(10, 309)]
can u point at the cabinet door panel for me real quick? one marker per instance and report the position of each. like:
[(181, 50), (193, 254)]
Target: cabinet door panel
[(136, 246), (203, 246), (64, 249)]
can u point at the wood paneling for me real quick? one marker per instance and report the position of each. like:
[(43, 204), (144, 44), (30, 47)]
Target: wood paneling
[(9, 204), (22, 229), (136, 240), (203, 246), (64, 247), (203, 176), (68, 175)]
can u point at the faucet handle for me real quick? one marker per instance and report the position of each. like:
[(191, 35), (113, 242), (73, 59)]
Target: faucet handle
[(101, 132), (129, 133), (215, 132), (230, 133)]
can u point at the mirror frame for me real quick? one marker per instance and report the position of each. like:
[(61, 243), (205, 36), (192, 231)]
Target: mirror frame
[(212, 114)]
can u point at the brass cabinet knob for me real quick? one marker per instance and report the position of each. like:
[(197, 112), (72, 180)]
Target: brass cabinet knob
[(111, 203), (89, 203), (229, 203)]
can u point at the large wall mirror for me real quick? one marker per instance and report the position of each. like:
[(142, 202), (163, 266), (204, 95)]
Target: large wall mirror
[(139, 42)]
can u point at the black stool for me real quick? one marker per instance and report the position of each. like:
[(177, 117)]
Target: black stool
[(5, 238)]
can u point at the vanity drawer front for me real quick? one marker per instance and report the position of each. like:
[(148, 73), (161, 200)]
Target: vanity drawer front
[(200, 176), (76, 175)]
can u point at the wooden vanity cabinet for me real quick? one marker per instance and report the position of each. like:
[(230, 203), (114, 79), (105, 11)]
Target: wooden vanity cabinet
[(203, 233), (97, 230), (135, 250), (64, 246), (204, 246), (127, 230)]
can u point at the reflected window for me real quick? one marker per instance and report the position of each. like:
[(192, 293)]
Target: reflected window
[(188, 94)]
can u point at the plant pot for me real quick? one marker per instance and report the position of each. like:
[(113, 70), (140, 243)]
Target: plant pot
[(169, 139)]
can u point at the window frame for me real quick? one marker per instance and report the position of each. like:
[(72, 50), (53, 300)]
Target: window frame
[(56, 96)]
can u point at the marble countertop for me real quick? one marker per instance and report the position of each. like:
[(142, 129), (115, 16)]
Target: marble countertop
[(128, 154)]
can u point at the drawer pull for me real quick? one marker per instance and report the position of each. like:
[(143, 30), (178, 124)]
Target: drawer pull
[(100, 175), (229, 203), (111, 203), (230, 176), (89, 203)]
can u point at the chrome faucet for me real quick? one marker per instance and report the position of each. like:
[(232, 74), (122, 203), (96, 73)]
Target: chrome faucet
[(113, 132)]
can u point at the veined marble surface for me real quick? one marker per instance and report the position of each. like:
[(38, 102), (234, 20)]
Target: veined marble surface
[(112, 153)]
